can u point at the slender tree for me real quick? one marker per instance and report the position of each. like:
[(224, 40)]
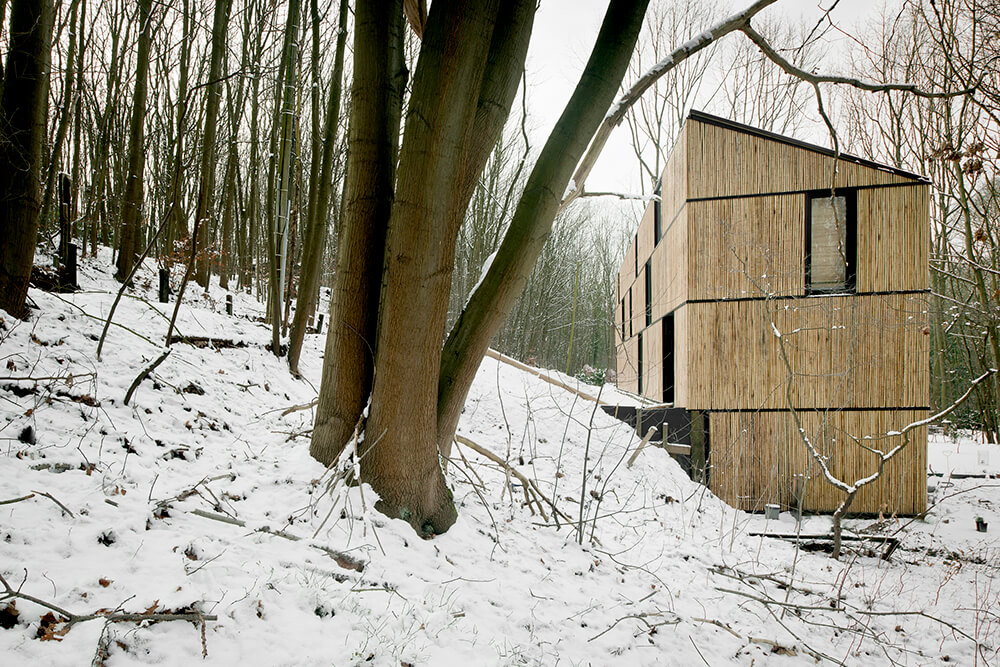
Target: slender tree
[(321, 179), (208, 160), (132, 203)]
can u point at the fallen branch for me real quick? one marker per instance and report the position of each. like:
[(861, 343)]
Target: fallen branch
[(531, 492), (72, 619), (342, 559), (537, 372)]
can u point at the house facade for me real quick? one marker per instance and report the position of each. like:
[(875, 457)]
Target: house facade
[(774, 286)]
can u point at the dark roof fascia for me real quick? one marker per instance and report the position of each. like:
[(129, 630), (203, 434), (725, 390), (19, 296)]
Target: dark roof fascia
[(725, 123)]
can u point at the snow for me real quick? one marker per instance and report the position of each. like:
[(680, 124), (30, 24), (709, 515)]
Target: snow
[(668, 578)]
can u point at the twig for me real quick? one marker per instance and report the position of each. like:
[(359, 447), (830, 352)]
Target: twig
[(144, 374), (53, 499), (16, 500)]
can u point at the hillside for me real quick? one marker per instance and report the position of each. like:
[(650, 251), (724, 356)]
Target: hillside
[(199, 499)]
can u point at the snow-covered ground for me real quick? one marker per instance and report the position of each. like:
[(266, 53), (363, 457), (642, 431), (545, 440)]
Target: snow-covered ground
[(666, 574)]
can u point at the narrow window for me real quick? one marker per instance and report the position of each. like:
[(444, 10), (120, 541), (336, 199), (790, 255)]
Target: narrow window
[(668, 358), (831, 241), (657, 217), (635, 257), (649, 293), (640, 363)]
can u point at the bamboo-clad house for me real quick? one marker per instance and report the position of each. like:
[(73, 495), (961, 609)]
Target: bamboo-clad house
[(759, 245)]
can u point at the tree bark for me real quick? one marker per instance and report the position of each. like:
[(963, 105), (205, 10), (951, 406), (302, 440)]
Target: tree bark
[(316, 228), (400, 455), (23, 108), (132, 203), (348, 365), (532, 221), (208, 161)]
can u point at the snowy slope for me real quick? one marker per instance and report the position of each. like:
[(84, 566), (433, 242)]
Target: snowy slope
[(666, 575)]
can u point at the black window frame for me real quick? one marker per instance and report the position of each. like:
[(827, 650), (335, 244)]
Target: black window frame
[(850, 196)]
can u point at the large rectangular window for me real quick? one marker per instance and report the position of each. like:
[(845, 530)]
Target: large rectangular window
[(831, 241)]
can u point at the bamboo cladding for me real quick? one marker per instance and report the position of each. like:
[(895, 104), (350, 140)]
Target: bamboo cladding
[(670, 272), (751, 247), (652, 358), (725, 162), (760, 458), (893, 239), (628, 365), (645, 240), (673, 183), (846, 351)]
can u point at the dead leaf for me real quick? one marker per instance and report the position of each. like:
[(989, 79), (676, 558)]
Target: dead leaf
[(105, 582)]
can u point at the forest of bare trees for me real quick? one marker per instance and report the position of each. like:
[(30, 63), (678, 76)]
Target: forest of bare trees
[(263, 145)]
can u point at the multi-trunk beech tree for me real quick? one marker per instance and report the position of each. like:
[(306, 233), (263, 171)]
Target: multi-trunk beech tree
[(403, 211)]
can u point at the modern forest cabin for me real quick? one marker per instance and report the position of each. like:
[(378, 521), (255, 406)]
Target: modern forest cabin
[(746, 243)]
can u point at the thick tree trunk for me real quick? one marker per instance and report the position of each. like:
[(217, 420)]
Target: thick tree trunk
[(400, 456), (348, 364), (316, 227), (492, 302), (207, 187), (132, 202), (22, 128)]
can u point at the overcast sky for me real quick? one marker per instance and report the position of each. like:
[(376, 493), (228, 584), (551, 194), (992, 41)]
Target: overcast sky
[(565, 31)]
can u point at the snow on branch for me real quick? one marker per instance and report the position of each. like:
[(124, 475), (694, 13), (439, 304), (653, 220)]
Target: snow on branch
[(632, 95)]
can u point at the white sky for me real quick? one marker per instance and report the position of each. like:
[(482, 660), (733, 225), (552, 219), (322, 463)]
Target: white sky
[(564, 33)]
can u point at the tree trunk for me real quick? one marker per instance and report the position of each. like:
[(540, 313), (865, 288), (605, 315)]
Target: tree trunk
[(132, 202), (22, 127), (279, 171), (348, 364), (532, 222), (177, 227), (316, 227), (207, 187), (400, 456)]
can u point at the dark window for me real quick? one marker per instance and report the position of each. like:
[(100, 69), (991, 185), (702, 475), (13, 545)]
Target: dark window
[(635, 257), (640, 363), (649, 294), (668, 358), (657, 217), (831, 241)]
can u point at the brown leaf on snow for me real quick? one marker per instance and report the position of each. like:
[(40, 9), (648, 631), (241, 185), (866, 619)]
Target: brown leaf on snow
[(49, 630), (9, 616), (105, 582)]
